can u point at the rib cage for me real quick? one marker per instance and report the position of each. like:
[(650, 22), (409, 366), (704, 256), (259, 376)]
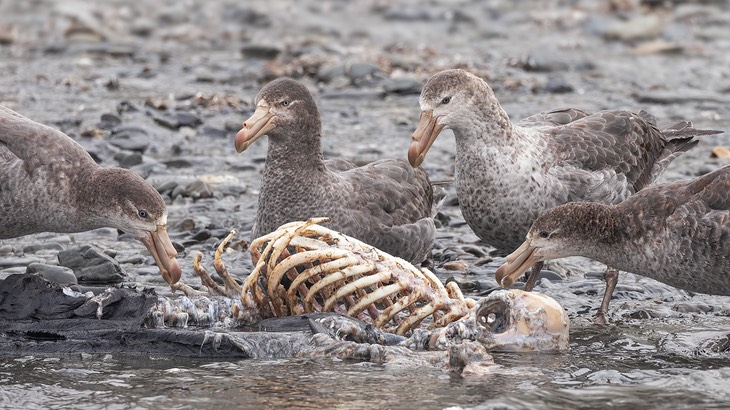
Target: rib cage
[(304, 267)]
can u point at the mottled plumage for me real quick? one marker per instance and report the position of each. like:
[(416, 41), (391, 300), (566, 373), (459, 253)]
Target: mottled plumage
[(387, 204), (676, 233), (49, 183), (507, 174)]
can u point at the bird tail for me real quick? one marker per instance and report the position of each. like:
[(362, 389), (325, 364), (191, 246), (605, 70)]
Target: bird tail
[(684, 129)]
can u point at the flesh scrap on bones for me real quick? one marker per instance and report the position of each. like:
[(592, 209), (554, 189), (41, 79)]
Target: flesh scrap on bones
[(303, 267)]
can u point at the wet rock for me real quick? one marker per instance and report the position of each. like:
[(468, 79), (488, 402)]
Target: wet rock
[(541, 62), (260, 51), (465, 284), (202, 235), (550, 275), (185, 225), (483, 261), (131, 259), (40, 247), (474, 250), (129, 159), (166, 121), (91, 265), (128, 106), (684, 96), (232, 125), (186, 119), (7, 250), (403, 86), (635, 28), (53, 273), (13, 261), (213, 132), (177, 120), (693, 307), (130, 138), (198, 189), (455, 265), (397, 13), (219, 233), (356, 94), (247, 17), (142, 27), (109, 121), (648, 313), (359, 71), (151, 271), (558, 85), (329, 73), (179, 163)]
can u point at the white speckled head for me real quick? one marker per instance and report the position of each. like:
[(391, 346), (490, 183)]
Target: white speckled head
[(458, 100)]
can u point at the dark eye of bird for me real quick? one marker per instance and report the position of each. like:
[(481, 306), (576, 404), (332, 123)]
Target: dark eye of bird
[(285, 103), (544, 234), (446, 100), (143, 214)]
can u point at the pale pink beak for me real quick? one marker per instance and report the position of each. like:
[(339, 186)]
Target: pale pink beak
[(161, 248), (518, 262), (254, 128), (424, 136)]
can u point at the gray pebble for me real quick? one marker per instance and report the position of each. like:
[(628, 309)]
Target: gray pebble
[(129, 159), (214, 132), (185, 225), (198, 189), (260, 51), (403, 86), (358, 71), (202, 235), (186, 119), (557, 84), (109, 121), (130, 138)]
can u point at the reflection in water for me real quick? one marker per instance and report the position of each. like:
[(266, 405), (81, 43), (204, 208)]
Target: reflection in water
[(614, 366)]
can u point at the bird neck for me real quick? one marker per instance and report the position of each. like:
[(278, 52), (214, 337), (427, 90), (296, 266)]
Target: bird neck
[(294, 158), (600, 221), (606, 233), (97, 191)]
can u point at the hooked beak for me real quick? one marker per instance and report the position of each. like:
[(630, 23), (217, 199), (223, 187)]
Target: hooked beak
[(254, 128), (160, 246), (517, 263), (424, 136)]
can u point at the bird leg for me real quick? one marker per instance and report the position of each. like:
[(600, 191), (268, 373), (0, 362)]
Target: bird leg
[(611, 278), (534, 273)]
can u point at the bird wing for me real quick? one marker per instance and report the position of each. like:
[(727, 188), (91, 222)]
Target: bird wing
[(609, 155), (36, 145), (391, 205), (553, 118)]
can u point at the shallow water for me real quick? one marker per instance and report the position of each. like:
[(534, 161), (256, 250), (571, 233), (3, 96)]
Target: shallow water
[(612, 367)]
